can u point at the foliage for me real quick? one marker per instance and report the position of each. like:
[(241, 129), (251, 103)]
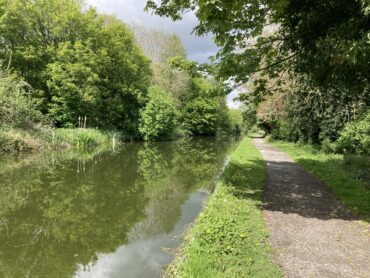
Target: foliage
[(200, 116), (232, 121), (18, 140), (20, 121), (78, 62), (158, 45), (346, 175), (268, 36), (199, 99), (355, 137), (162, 48), (313, 54), (15, 140), (17, 108), (249, 116), (205, 110), (24, 128), (229, 237), (236, 118), (158, 119)]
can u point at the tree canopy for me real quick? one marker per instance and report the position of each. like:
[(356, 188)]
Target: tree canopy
[(81, 64), (78, 63), (315, 54)]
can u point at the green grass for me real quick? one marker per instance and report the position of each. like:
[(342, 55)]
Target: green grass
[(229, 238), (346, 175), (19, 140), (79, 138)]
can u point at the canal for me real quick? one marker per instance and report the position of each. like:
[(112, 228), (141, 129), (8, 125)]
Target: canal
[(116, 213)]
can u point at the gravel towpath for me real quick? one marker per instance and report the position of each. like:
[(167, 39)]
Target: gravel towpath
[(313, 234)]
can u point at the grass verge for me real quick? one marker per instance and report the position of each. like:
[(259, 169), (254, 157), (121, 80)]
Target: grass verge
[(346, 175), (229, 238)]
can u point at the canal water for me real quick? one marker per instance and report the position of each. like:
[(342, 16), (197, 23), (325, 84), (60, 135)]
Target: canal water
[(118, 213)]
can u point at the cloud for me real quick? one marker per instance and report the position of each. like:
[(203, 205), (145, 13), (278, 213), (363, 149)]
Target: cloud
[(132, 11)]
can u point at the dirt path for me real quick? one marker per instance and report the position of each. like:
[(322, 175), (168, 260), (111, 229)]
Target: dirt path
[(313, 233)]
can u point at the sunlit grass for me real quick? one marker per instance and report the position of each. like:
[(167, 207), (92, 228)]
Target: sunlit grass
[(79, 138), (229, 238)]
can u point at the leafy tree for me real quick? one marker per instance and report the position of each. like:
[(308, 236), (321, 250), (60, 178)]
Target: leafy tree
[(300, 34), (200, 116), (162, 48), (158, 119), (315, 53), (199, 99), (74, 83), (205, 110), (78, 62), (31, 30), (17, 108)]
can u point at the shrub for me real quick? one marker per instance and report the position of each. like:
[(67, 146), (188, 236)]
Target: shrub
[(355, 137), (158, 119), (17, 110), (328, 146), (12, 141), (358, 166), (201, 117)]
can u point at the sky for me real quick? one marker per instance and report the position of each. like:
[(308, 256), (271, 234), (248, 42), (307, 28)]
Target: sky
[(132, 11)]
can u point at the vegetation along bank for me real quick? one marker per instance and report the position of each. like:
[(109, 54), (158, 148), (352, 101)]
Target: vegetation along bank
[(64, 66)]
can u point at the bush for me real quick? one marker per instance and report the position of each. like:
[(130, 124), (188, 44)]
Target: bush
[(12, 141), (201, 117), (158, 119), (17, 110), (328, 146), (355, 137), (358, 166)]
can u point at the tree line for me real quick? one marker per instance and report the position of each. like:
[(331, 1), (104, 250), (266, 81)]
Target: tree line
[(65, 61)]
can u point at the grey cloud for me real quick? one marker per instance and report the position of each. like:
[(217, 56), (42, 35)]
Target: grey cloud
[(132, 11)]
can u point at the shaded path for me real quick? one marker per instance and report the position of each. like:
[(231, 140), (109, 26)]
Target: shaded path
[(314, 235)]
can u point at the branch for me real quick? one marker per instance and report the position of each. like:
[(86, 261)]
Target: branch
[(274, 64), (10, 60)]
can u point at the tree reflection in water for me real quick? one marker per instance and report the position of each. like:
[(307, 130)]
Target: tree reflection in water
[(59, 212)]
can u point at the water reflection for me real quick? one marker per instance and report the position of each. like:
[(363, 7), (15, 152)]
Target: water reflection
[(103, 215)]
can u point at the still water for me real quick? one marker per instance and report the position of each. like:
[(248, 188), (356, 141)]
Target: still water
[(113, 214)]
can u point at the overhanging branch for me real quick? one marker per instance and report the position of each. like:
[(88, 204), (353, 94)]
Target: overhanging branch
[(274, 64)]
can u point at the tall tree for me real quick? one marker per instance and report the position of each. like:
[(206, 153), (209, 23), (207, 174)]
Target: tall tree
[(161, 48), (79, 63), (321, 46)]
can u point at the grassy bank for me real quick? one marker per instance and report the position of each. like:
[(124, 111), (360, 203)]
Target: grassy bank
[(39, 139), (348, 176), (229, 238)]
